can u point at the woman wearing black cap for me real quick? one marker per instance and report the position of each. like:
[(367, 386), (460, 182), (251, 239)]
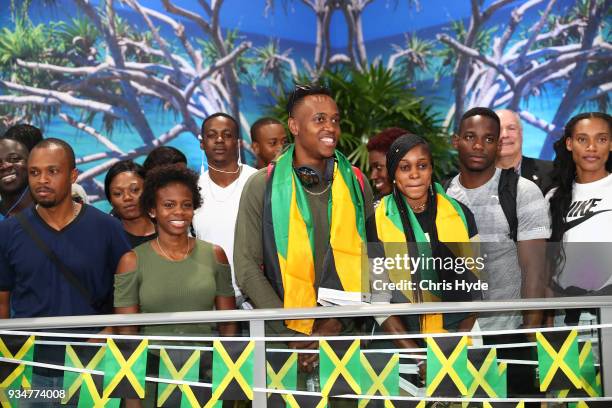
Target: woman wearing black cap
[(425, 221)]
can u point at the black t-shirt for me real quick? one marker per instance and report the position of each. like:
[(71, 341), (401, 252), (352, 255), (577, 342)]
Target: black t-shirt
[(136, 240)]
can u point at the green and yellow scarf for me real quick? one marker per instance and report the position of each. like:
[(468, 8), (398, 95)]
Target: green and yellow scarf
[(292, 270), (451, 228)]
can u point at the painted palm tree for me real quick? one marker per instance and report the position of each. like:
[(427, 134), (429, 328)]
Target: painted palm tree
[(58, 70), (276, 65), (414, 55), (554, 50), (27, 42)]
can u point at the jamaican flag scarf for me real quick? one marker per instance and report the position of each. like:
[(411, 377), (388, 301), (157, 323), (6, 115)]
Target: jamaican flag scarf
[(451, 227), (288, 237)]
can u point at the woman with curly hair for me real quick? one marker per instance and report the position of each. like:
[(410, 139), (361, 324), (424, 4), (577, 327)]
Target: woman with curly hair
[(581, 206), (123, 186), (174, 272)]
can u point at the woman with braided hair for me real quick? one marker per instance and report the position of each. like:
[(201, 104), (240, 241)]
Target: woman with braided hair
[(580, 205), (434, 226)]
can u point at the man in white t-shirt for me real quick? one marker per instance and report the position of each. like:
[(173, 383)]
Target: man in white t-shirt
[(221, 186)]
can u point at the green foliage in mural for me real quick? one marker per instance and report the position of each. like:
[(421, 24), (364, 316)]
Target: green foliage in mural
[(374, 100)]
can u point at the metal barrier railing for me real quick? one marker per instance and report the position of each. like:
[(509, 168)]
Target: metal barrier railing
[(258, 318)]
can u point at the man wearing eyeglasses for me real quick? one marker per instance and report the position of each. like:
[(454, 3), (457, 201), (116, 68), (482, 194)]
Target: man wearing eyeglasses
[(221, 186), (302, 222)]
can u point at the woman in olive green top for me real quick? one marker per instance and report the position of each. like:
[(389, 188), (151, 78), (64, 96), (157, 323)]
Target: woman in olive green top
[(174, 272)]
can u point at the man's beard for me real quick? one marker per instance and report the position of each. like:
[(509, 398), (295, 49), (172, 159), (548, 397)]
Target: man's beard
[(50, 203)]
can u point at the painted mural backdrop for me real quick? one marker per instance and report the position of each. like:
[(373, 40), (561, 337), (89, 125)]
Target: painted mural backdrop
[(116, 78)]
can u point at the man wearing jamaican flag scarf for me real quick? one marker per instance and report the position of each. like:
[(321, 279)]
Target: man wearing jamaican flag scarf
[(302, 223), (420, 218)]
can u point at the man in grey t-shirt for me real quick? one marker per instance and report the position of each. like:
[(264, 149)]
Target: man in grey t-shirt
[(514, 270)]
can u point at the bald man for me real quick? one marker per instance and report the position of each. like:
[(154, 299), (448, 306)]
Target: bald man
[(510, 154)]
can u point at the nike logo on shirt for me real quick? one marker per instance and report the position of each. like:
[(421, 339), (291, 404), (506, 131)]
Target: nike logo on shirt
[(575, 223)]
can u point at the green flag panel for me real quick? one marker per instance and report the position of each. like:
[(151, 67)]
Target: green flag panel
[(447, 372), (488, 377), (89, 396), (589, 377), (82, 357), (179, 365), (193, 396), (379, 376), (15, 376), (339, 367), (125, 366), (281, 369), (16, 348), (558, 360), (233, 370)]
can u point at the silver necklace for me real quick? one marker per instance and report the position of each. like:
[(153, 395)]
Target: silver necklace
[(320, 192), (225, 171), (169, 257)]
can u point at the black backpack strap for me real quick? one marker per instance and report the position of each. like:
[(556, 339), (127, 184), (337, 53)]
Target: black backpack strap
[(507, 193), (65, 271), (446, 183)]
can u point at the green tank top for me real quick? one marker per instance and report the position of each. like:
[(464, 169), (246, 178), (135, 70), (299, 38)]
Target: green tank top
[(159, 285)]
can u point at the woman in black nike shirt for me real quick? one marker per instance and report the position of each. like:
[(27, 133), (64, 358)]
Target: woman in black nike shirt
[(581, 207)]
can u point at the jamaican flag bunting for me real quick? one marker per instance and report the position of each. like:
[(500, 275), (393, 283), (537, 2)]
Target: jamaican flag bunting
[(379, 376), (503, 405), (233, 370), (447, 373), (339, 367), (590, 404), (125, 366), (83, 357), (306, 401), (591, 380), (488, 378), (289, 238), (90, 397), (403, 403), (558, 360), (14, 376), (281, 371), (179, 365), (192, 396)]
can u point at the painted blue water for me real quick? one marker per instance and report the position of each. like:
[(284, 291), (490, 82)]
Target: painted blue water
[(385, 23)]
